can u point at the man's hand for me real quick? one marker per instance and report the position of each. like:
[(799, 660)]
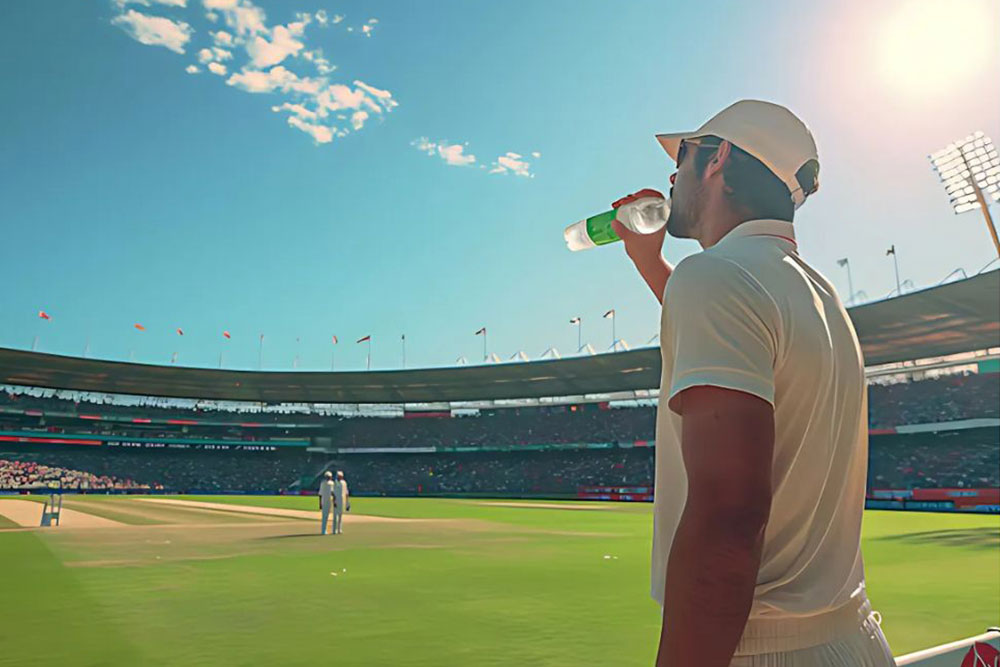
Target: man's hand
[(645, 250), (640, 247)]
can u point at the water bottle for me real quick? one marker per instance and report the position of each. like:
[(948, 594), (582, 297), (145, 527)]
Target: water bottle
[(645, 216)]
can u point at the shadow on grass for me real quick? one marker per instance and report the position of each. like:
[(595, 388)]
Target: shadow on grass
[(983, 538), (291, 536)]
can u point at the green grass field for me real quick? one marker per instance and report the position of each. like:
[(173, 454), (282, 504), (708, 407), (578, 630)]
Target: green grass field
[(449, 582)]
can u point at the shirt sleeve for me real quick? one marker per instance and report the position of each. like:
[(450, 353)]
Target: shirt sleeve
[(722, 326)]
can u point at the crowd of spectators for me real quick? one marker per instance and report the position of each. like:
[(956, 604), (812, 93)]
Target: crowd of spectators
[(507, 427), (187, 470), (502, 473), (956, 458), (941, 399), (932, 400), (969, 458), (30, 474)]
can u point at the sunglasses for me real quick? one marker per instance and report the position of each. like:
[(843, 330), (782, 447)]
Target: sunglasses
[(687, 145)]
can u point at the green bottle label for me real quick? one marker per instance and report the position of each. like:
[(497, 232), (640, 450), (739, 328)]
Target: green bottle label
[(599, 228)]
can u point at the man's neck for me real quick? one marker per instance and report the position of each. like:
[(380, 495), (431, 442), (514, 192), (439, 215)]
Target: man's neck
[(716, 222)]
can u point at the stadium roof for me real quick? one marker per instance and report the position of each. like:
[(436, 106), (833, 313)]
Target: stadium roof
[(961, 316), (948, 319)]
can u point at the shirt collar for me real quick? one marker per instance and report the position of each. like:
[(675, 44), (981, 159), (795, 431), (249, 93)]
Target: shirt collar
[(780, 229)]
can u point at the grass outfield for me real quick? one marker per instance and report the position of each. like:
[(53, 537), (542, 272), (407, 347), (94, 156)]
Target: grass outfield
[(449, 582)]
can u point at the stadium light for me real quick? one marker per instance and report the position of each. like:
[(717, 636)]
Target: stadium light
[(970, 171)]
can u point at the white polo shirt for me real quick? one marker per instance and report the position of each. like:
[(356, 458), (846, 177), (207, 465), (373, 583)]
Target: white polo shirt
[(749, 314), (326, 491)]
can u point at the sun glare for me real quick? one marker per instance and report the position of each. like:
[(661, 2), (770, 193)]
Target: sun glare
[(931, 47)]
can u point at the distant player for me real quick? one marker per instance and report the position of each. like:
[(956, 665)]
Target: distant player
[(326, 495), (341, 501)]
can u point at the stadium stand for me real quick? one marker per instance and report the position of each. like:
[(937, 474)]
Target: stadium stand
[(546, 428)]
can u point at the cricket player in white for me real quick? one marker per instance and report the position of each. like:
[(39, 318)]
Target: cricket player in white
[(761, 431), (341, 501), (326, 491)]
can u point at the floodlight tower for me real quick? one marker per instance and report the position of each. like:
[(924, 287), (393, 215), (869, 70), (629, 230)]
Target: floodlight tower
[(970, 171)]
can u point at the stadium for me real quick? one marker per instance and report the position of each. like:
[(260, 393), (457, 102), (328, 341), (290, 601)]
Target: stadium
[(180, 489), (471, 334)]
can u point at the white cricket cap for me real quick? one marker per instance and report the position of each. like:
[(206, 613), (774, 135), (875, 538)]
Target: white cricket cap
[(769, 132), (328, 474)]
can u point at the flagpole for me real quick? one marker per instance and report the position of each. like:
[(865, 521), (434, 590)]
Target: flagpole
[(404, 350), (86, 347), (895, 263), (369, 353), (484, 345), (34, 343), (614, 336), (579, 334), (260, 353)]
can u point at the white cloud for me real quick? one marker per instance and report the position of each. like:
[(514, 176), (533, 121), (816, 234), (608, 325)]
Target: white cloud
[(424, 145), (246, 19), (383, 98), (338, 96), (147, 3), (455, 155), (155, 30), (256, 81), (321, 134), (264, 53), (452, 154), (512, 163), (536, 154), (276, 78), (297, 109), (298, 27), (358, 119), (312, 104)]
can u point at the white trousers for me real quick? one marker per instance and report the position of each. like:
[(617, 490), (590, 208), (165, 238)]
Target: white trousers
[(325, 509), (865, 647), (338, 518)]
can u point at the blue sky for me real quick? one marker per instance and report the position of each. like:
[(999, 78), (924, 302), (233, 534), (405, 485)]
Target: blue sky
[(135, 191)]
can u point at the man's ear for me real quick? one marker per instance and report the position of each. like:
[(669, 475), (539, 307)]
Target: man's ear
[(722, 153)]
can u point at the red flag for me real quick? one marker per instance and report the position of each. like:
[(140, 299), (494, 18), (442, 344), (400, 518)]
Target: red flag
[(45, 316), (368, 337), (225, 334), (335, 341), (139, 327), (481, 331), (180, 332)]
